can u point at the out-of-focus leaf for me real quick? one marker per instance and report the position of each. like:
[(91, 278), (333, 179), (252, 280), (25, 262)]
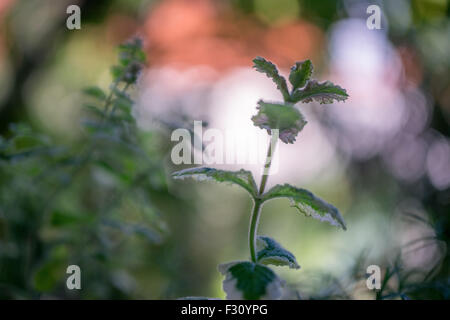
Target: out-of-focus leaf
[(284, 117), (250, 281), (323, 92), (94, 110), (122, 95), (52, 271), (300, 74), (25, 138), (124, 104), (307, 203), (61, 218), (242, 177), (271, 71), (271, 252), (117, 72), (25, 142), (95, 92)]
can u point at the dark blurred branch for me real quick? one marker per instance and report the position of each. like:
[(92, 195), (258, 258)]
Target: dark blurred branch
[(25, 64)]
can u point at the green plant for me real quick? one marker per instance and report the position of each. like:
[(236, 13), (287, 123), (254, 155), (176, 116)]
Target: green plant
[(253, 279), (93, 201)]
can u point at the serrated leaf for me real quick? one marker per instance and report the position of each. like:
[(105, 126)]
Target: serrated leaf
[(251, 281), (284, 117), (323, 92), (271, 71), (300, 74), (242, 177), (307, 203), (271, 252)]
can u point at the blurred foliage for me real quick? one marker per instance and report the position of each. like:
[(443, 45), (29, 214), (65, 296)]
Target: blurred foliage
[(85, 203)]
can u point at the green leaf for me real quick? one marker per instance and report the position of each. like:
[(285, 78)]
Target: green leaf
[(95, 92), (52, 272), (242, 177), (307, 203), (300, 74), (94, 110), (251, 281), (26, 142), (271, 252), (271, 71), (124, 105), (61, 218), (323, 92), (122, 95), (117, 72), (284, 117)]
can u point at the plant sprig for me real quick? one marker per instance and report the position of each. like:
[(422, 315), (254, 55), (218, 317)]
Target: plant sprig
[(59, 198), (282, 120)]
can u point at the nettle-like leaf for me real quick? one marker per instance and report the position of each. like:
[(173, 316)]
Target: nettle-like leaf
[(242, 177), (271, 71), (323, 92), (284, 117), (271, 252), (300, 74), (307, 203), (251, 281)]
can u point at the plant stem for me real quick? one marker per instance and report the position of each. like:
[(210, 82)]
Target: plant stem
[(254, 228), (254, 220), (270, 152)]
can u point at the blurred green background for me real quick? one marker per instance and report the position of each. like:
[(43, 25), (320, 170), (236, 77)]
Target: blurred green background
[(383, 157)]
